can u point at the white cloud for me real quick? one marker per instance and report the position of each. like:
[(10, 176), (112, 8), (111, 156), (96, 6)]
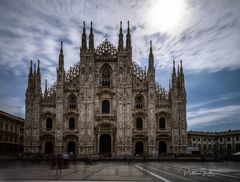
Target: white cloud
[(205, 34), (205, 37), (218, 99), (213, 116)]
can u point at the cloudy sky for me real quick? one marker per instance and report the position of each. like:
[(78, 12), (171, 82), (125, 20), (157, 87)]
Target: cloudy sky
[(205, 34)]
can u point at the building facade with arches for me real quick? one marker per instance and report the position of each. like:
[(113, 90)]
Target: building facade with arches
[(106, 104)]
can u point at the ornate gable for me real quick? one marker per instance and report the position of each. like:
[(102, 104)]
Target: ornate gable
[(106, 49)]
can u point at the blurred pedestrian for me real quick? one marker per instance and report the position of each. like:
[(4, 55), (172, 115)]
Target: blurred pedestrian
[(59, 165)]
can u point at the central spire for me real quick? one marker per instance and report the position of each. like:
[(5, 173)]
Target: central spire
[(61, 57), (151, 60)]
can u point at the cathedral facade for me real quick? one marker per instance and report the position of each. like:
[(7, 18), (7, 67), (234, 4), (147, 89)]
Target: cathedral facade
[(106, 105)]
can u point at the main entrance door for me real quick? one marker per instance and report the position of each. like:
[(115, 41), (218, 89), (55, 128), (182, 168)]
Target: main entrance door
[(71, 147), (105, 145), (162, 147), (139, 149), (48, 147)]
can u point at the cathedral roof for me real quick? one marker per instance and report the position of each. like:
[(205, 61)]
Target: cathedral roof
[(106, 48)]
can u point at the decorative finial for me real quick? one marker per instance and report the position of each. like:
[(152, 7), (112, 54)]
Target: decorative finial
[(31, 66), (83, 26), (46, 86), (61, 50), (128, 41), (34, 68), (174, 67), (120, 27), (150, 46), (38, 67), (181, 68), (91, 27)]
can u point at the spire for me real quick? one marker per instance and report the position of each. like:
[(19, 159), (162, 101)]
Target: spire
[(30, 78), (38, 76), (120, 40), (181, 68), (84, 41), (181, 81), (61, 50), (38, 79), (34, 72), (91, 39), (30, 70), (34, 76), (151, 59), (60, 68), (174, 78), (38, 68), (61, 57), (174, 71), (169, 84), (151, 70), (178, 69), (150, 52), (45, 93), (128, 40)]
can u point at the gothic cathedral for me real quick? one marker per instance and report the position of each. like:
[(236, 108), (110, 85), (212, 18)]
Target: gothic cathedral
[(106, 105)]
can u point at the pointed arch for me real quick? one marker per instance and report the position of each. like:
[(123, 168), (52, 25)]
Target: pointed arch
[(72, 101), (106, 75), (139, 101)]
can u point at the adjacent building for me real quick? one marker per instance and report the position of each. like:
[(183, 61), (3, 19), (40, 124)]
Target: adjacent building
[(215, 143), (11, 134), (106, 104)]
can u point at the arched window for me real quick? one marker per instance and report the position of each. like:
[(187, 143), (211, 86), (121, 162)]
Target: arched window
[(71, 124), (162, 123), (139, 123), (49, 123), (139, 101), (105, 106), (72, 102), (106, 76)]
